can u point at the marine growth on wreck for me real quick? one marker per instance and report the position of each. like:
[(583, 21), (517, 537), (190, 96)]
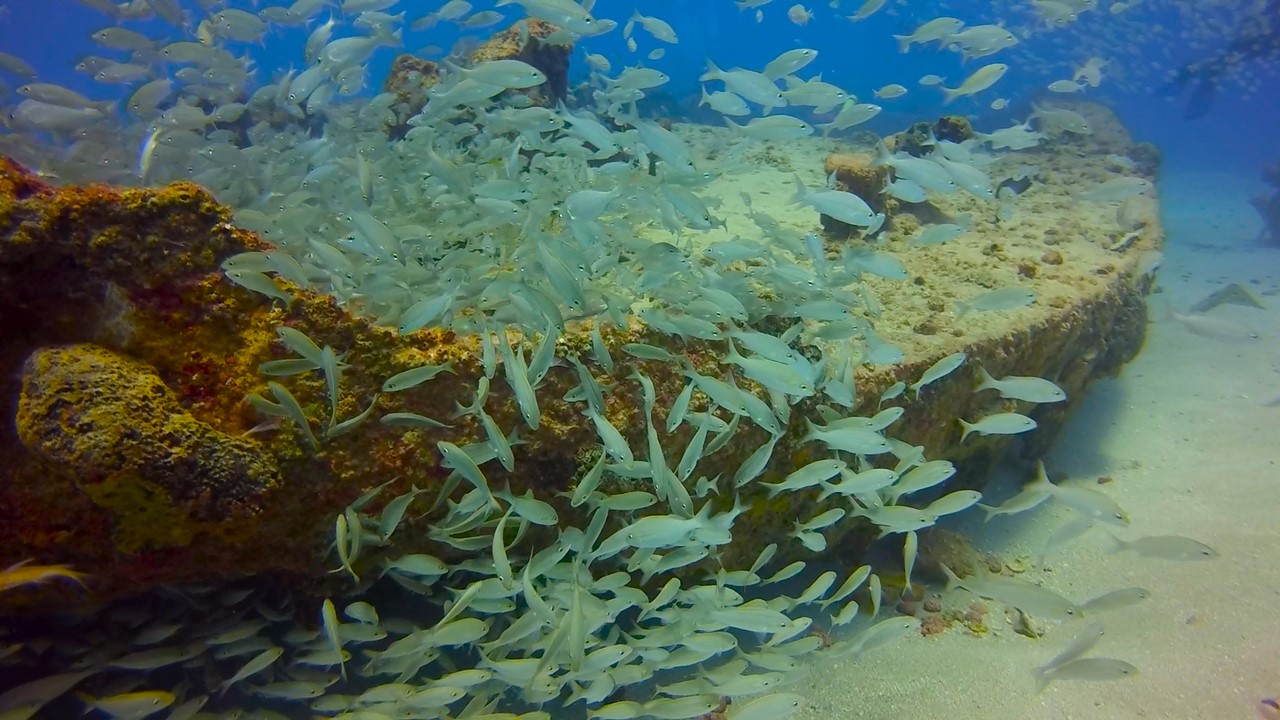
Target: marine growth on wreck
[(515, 384)]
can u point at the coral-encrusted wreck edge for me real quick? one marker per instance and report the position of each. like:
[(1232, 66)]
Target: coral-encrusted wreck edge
[(131, 454)]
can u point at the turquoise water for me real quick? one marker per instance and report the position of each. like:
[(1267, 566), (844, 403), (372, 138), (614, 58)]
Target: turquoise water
[(508, 216)]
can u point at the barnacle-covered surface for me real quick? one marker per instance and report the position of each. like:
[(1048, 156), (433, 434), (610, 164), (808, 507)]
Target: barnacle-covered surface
[(136, 272)]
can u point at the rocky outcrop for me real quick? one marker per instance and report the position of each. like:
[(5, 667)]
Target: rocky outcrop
[(107, 417)]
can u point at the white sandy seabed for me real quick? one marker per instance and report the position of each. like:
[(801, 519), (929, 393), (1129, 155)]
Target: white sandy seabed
[(1188, 435)]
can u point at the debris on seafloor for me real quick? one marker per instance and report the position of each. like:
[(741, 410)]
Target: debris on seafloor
[(1212, 326), (1232, 294)]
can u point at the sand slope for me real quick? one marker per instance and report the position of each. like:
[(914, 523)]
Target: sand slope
[(1193, 450)]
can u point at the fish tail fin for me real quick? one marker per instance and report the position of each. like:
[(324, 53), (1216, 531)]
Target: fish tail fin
[(985, 381), (904, 42), (455, 69), (76, 577), (810, 434), (712, 73), (1042, 477), (949, 94), (1117, 545), (952, 579), (1043, 677), (968, 428), (733, 354), (801, 192), (883, 156), (962, 309), (989, 510), (461, 410)]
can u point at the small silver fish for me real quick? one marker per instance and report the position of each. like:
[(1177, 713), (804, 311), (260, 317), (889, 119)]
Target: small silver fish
[(937, 371), (1116, 599), (1091, 669), (1017, 387), (414, 377), (998, 424), (1167, 547), (1010, 298)]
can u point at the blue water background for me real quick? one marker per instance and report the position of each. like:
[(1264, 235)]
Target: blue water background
[(1238, 135)]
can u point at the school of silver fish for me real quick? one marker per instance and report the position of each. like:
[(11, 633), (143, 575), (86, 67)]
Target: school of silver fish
[(496, 218)]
